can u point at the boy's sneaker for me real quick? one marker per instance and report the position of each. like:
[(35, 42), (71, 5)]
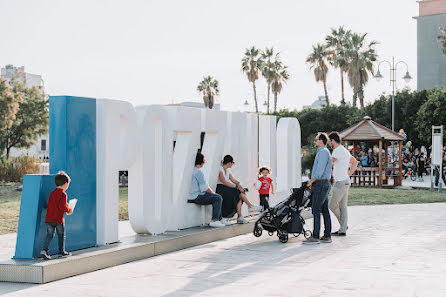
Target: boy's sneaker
[(242, 220), (216, 224), (255, 208), (65, 254), (311, 240), (225, 222), (45, 255), (325, 239)]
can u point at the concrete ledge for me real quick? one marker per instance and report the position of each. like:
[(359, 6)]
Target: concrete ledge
[(131, 248)]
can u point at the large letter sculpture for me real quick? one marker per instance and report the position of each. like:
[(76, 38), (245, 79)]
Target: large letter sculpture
[(72, 149), (268, 143), (288, 154), (150, 177), (116, 150)]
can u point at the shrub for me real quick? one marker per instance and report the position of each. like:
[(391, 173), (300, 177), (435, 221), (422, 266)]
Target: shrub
[(13, 169)]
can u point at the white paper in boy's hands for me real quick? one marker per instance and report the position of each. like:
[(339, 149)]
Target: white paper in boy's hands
[(72, 204)]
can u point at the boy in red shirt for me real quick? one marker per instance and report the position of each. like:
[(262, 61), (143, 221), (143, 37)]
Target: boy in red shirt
[(266, 184), (57, 207)]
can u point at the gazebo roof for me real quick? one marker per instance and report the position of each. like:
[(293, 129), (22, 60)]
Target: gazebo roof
[(370, 130)]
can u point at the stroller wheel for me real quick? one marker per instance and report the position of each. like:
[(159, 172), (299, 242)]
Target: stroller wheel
[(283, 238), (270, 233), (296, 235), (308, 234), (257, 231)]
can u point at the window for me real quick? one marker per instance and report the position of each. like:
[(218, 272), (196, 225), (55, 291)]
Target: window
[(43, 145)]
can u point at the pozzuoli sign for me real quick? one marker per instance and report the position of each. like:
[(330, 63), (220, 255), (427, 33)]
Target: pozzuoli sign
[(92, 139)]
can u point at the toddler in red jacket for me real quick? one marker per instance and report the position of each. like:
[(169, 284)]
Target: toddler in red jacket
[(265, 183), (57, 207)]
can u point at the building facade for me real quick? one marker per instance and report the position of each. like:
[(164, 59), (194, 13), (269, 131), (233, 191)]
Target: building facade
[(431, 61), (10, 71)]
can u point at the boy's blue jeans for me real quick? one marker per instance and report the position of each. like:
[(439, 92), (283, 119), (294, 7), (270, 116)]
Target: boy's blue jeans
[(60, 229), (320, 205)]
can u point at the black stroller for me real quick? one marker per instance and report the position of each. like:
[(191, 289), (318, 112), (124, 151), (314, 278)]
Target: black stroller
[(285, 217)]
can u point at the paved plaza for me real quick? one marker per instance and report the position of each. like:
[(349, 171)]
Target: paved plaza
[(390, 250)]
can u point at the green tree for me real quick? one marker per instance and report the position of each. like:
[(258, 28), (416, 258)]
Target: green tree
[(280, 76), (361, 57), (431, 113), (9, 105), (338, 41), (251, 65), (209, 88), (269, 59), (31, 119), (318, 60)]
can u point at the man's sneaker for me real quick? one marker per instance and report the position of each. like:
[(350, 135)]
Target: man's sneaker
[(65, 254), (337, 233), (311, 240), (255, 208), (242, 220), (225, 222), (216, 224), (45, 255), (325, 239)]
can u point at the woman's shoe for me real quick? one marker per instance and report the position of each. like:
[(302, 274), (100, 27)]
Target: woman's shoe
[(242, 220), (225, 222)]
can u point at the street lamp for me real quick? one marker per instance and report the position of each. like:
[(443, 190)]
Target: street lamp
[(393, 67)]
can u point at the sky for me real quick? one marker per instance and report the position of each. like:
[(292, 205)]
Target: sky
[(156, 52)]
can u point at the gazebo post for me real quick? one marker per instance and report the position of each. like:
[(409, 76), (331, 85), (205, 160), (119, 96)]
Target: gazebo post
[(400, 163), (380, 158), (354, 155), (386, 157)]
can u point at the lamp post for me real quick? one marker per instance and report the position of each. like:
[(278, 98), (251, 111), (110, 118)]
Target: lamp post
[(393, 67)]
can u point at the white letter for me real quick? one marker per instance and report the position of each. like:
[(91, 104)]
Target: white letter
[(115, 148), (289, 173), (150, 177)]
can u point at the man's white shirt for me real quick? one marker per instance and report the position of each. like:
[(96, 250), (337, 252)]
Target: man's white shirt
[(341, 165)]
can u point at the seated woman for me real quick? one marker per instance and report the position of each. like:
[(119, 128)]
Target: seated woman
[(232, 192), (200, 193)]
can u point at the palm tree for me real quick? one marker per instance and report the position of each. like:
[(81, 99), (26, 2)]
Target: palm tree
[(268, 58), (442, 39), (280, 76), (338, 41), (360, 61), (251, 65), (318, 60), (209, 87)]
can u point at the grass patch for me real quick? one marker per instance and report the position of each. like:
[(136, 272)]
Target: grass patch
[(373, 196), (9, 208), (10, 201), (123, 204)]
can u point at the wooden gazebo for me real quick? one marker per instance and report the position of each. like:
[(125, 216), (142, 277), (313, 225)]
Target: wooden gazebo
[(367, 132)]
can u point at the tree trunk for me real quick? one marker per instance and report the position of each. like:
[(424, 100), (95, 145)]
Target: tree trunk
[(267, 101), (342, 88), (211, 101), (255, 96), (275, 102), (326, 93), (355, 96), (361, 97), (8, 149)]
